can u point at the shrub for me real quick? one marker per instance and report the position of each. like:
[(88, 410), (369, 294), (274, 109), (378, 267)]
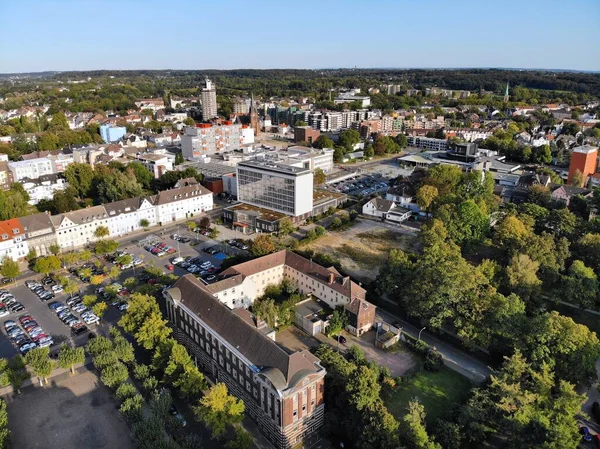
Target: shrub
[(126, 391), (433, 361)]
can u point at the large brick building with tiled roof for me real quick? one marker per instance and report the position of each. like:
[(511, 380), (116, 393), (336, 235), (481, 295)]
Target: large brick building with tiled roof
[(282, 390)]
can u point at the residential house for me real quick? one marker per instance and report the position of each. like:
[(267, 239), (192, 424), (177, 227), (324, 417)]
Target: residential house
[(361, 316), (183, 202), (564, 193), (38, 230), (32, 169), (157, 164), (6, 176), (282, 391), (378, 207), (76, 229), (403, 194), (125, 216), (12, 240)]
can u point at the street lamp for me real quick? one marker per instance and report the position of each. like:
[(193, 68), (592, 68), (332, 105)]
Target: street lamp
[(419, 339)]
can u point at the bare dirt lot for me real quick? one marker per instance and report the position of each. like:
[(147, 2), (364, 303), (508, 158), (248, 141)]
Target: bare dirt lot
[(364, 248), (75, 413)]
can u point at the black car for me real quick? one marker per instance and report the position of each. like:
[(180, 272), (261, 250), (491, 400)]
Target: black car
[(7, 280), (342, 339), (16, 307)]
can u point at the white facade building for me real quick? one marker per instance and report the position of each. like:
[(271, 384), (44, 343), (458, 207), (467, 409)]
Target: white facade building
[(31, 169), (209, 100), (157, 164), (181, 203), (205, 139), (12, 240), (275, 186), (125, 216), (76, 229)]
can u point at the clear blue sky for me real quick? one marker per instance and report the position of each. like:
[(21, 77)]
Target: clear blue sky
[(38, 35)]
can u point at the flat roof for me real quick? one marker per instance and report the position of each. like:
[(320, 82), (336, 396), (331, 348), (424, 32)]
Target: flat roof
[(586, 149), (267, 214), (311, 308), (274, 166), (213, 169)]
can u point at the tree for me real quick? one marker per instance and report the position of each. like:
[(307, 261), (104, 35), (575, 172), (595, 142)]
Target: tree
[(89, 300), (101, 232), (10, 268), (319, 177), (69, 259), (140, 308), (126, 391), (262, 245), (142, 174), (160, 403), (218, 410), (337, 322), (348, 138), (522, 275), (323, 142), (413, 428), (153, 331), (13, 202), (144, 223), (191, 225), (99, 309), (205, 222), (541, 154), (114, 375), (267, 310), (105, 246), (70, 286), (54, 249), (69, 356), (41, 364), (577, 179), (242, 440), (581, 285), (5, 433), (46, 265), (401, 140), (64, 201), (426, 195), (80, 176), (286, 226)]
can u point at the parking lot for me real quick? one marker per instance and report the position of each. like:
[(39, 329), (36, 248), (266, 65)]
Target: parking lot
[(361, 184), (77, 412)]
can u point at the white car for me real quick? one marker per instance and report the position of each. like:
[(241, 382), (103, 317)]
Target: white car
[(177, 260), (4, 312), (91, 319), (57, 289)]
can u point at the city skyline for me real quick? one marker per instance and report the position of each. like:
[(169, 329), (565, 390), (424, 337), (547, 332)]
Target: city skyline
[(136, 35)]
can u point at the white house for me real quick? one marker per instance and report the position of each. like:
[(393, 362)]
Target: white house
[(157, 164), (12, 240), (398, 215), (123, 216), (187, 199), (403, 194), (31, 169), (76, 229), (378, 207)]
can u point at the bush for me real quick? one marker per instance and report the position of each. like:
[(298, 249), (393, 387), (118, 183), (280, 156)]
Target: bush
[(433, 361), (131, 408), (141, 371)]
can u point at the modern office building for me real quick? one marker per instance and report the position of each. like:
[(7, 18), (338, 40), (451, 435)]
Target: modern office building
[(205, 139), (277, 187), (299, 156), (111, 133), (209, 100), (283, 391), (585, 160)]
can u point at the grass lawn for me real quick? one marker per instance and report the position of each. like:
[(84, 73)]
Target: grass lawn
[(438, 391)]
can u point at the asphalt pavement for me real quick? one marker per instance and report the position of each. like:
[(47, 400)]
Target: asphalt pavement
[(454, 358)]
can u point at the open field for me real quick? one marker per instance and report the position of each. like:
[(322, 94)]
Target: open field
[(438, 391), (75, 413), (364, 247)]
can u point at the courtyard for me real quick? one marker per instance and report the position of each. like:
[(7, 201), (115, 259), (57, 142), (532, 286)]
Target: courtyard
[(75, 413)]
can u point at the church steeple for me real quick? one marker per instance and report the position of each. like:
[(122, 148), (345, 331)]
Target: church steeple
[(506, 96), (254, 115)]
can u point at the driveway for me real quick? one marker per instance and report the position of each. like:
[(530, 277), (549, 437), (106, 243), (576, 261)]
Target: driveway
[(398, 362)]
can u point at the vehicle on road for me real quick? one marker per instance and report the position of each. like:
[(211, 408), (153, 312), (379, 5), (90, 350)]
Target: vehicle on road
[(585, 433)]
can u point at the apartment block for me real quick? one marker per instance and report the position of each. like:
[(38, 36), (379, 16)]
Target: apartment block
[(282, 392), (206, 139)]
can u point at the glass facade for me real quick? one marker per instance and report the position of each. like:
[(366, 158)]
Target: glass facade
[(264, 190)]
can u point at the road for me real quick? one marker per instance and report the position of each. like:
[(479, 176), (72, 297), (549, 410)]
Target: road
[(454, 358)]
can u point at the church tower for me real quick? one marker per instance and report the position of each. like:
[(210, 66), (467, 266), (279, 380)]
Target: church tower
[(254, 116), (506, 96)]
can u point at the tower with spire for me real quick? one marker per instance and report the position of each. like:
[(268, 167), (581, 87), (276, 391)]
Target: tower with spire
[(254, 116), (506, 96)]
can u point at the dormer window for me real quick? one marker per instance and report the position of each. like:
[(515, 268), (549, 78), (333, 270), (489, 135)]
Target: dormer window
[(15, 231), (4, 236)]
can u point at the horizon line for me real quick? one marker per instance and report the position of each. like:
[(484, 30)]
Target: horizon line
[(539, 69)]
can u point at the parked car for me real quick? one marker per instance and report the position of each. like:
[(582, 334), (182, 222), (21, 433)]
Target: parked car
[(585, 433), (10, 324), (78, 329)]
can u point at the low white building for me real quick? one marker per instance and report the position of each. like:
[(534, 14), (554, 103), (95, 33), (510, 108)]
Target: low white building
[(44, 189), (378, 207), (30, 169), (182, 202), (126, 216), (12, 240), (157, 164), (76, 229)]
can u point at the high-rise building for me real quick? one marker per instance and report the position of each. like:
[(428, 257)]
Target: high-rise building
[(278, 187), (584, 160), (209, 100)]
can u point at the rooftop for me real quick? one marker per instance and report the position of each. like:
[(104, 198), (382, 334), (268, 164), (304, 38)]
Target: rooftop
[(585, 149), (274, 166), (265, 214)]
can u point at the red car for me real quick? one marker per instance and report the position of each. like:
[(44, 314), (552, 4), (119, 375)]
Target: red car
[(25, 319), (170, 267)]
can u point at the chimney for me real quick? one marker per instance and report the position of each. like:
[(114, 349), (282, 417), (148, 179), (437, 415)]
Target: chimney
[(331, 278)]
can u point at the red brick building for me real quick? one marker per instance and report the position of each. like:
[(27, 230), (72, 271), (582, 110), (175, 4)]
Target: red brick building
[(306, 134), (282, 391), (585, 160)]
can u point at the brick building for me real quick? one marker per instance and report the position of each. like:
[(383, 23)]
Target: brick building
[(585, 160), (282, 391), (306, 134)]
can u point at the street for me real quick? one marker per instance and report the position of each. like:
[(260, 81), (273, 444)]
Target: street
[(454, 358)]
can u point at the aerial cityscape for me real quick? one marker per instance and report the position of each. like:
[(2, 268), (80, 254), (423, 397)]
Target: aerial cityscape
[(234, 226)]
